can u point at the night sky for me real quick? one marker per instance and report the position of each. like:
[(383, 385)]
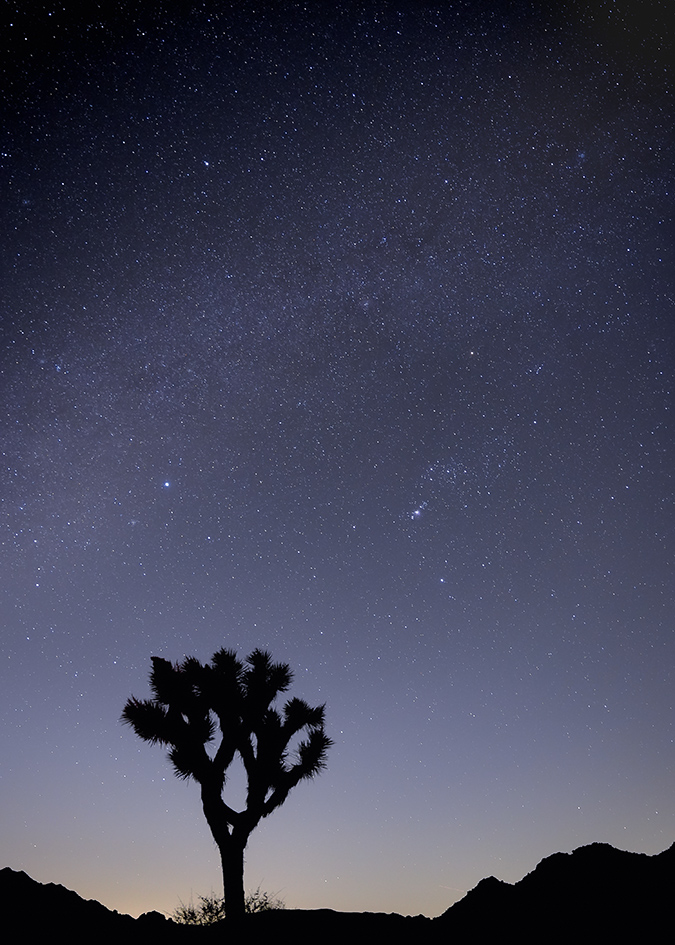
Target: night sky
[(345, 331)]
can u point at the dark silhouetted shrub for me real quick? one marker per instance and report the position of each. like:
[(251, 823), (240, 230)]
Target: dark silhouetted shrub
[(211, 909)]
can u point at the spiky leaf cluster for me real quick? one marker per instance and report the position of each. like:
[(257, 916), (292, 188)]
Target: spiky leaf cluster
[(193, 702)]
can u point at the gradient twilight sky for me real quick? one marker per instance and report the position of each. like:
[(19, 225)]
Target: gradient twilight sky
[(346, 331)]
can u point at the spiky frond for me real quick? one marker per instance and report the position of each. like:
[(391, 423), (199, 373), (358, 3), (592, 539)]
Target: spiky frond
[(221, 684), (262, 682), (166, 681), (149, 720), (312, 753), (298, 715), (226, 664), (190, 761)]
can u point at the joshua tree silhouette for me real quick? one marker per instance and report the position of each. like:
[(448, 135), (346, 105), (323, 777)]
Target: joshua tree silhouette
[(192, 702)]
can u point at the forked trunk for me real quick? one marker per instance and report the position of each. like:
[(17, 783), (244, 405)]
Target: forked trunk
[(231, 844)]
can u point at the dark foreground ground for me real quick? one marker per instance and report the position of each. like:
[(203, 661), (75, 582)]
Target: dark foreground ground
[(595, 894)]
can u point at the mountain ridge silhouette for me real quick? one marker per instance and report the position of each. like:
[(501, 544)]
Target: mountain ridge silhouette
[(595, 892)]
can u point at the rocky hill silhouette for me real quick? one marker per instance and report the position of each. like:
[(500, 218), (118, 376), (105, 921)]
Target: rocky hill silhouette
[(597, 893)]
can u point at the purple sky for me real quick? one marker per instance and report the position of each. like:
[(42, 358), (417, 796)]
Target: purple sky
[(344, 331)]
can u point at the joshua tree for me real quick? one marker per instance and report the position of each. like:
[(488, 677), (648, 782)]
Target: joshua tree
[(192, 702)]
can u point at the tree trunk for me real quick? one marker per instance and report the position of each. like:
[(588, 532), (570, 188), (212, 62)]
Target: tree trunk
[(231, 843), (232, 861)]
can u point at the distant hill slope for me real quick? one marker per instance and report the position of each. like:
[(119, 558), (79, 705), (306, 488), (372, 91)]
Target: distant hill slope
[(595, 894), (41, 910), (592, 894)]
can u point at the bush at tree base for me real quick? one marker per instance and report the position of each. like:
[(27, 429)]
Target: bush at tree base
[(212, 909)]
